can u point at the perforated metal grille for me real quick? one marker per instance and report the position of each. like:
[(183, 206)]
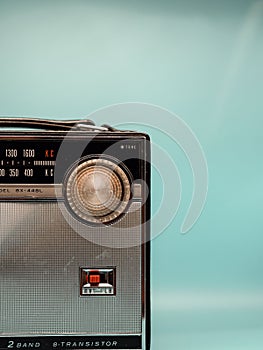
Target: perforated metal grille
[(40, 258)]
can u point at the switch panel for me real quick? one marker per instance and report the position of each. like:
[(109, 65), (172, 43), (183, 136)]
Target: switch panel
[(97, 281)]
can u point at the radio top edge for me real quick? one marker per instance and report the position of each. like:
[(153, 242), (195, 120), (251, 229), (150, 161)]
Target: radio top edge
[(42, 151)]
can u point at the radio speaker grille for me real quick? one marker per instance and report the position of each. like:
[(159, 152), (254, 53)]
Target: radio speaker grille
[(40, 259)]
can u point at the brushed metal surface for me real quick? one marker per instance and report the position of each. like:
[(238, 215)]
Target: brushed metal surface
[(40, 259)]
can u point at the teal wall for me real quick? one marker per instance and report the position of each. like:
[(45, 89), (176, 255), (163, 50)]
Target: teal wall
[(202, 60)]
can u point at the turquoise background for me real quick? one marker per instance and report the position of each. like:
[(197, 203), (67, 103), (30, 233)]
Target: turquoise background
[(202, 60)]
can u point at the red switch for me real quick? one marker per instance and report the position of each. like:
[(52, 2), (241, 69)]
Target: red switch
[(94, 279)]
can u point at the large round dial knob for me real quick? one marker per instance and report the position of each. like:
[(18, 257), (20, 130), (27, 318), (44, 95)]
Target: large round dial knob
[(98, 190)]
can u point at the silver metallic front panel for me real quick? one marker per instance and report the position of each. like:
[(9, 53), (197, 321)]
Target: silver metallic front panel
[(40, 261)]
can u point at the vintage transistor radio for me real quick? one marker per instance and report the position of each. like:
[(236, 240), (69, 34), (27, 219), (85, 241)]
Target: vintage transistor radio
[(74, 233)]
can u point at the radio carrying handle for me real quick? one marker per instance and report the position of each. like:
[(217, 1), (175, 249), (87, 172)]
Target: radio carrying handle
[(48, 124)]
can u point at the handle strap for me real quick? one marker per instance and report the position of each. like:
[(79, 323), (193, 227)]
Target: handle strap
[(47, 124)]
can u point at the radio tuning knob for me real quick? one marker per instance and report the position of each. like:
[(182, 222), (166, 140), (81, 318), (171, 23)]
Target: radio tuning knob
[(98, 191)]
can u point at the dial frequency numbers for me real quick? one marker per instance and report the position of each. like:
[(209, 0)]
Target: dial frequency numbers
[(13, 168), (13, 153)]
